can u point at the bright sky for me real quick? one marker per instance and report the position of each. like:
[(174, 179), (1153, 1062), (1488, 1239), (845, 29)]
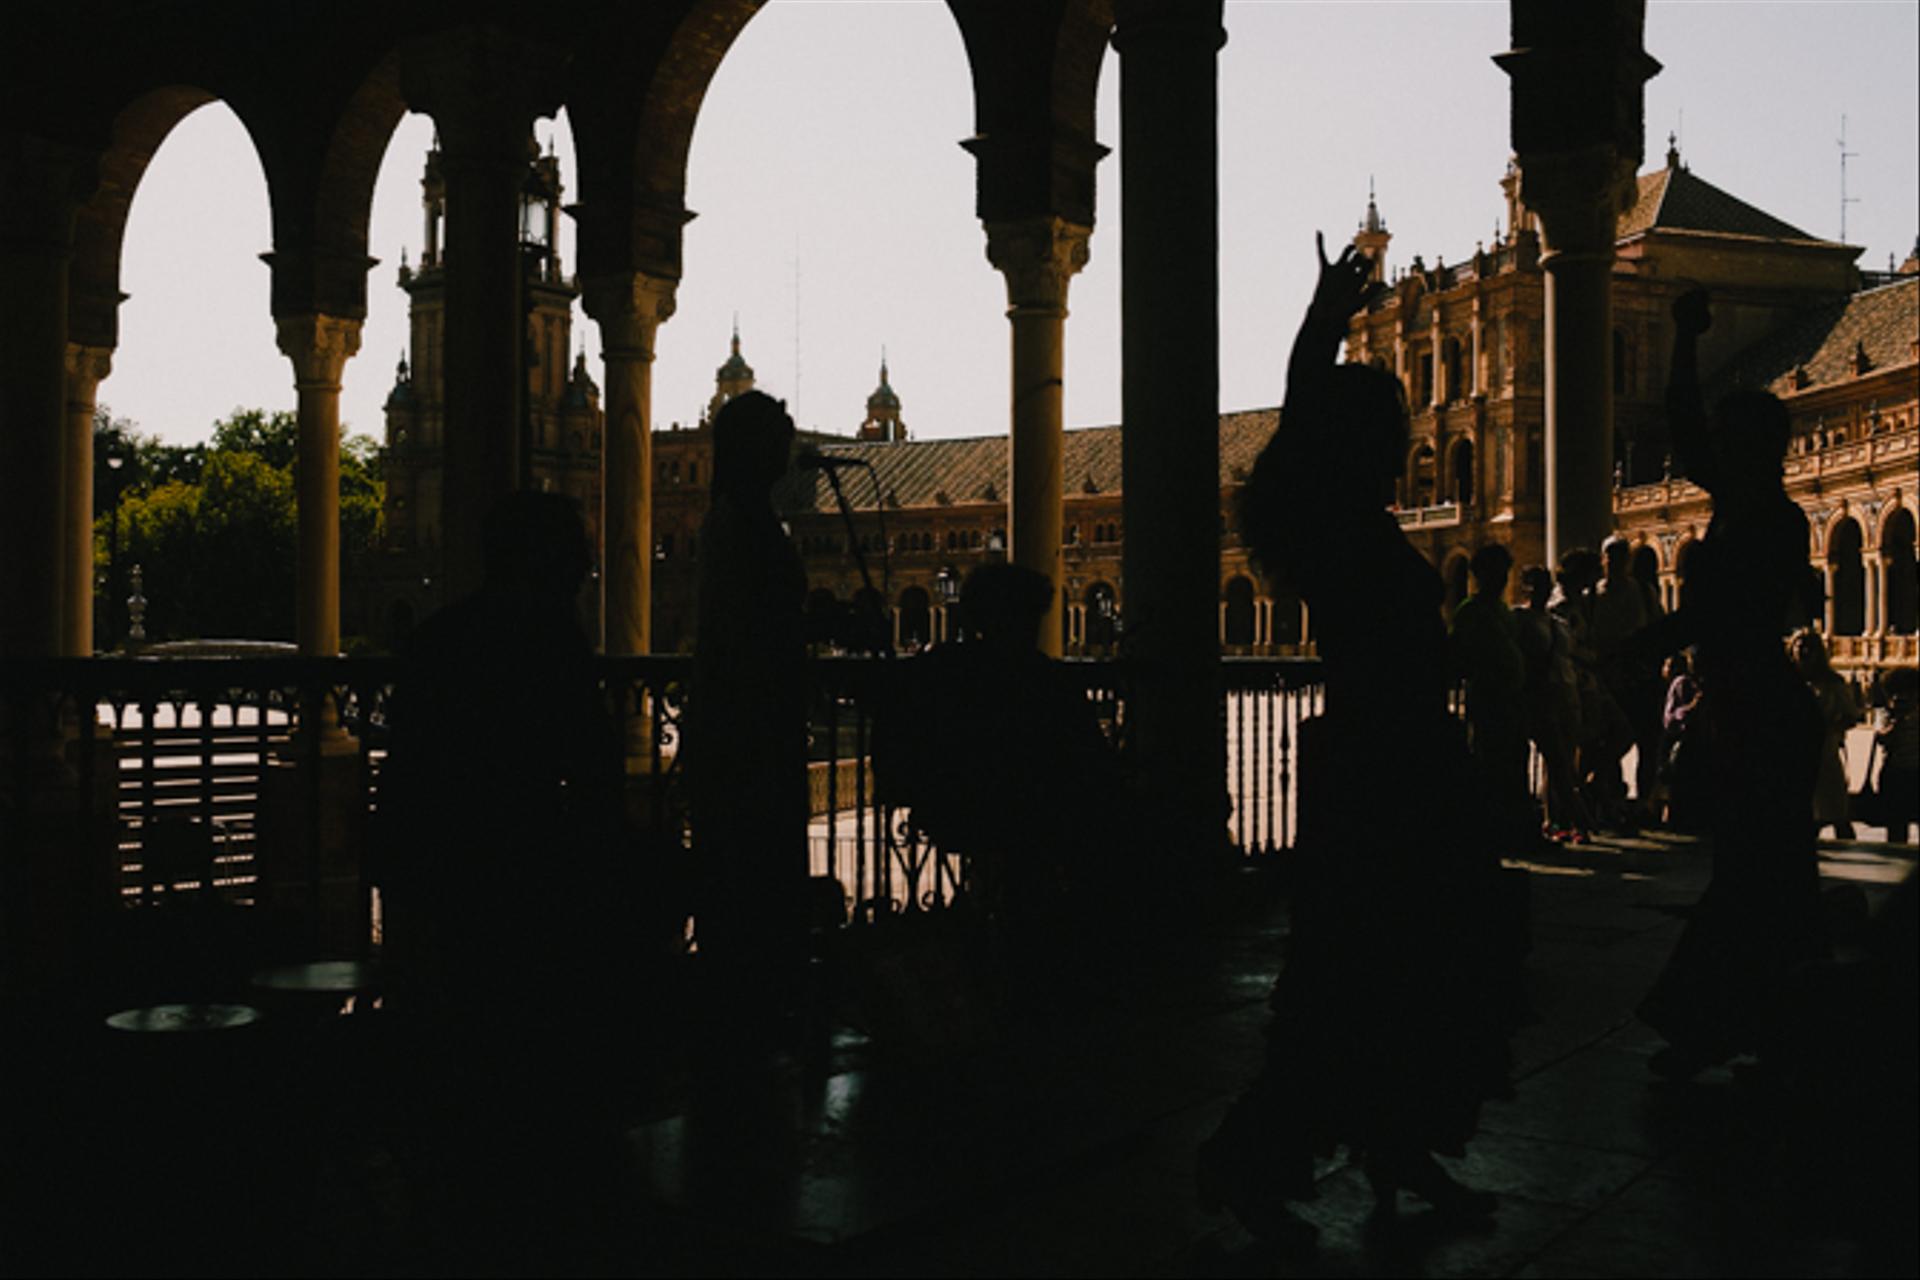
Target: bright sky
[(836, 208)]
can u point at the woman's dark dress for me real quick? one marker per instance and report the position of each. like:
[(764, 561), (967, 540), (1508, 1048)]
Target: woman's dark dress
[(1392, 1011)]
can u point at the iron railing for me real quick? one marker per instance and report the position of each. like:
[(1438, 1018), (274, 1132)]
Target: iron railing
[(272, 768)]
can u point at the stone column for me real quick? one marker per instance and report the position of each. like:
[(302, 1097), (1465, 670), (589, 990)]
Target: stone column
[(86, 366), (319, 347), (484, 89), (1477, 374), (36, 245), (1827, 576), (1875, 567), (1170, 403), (628, 308), (1038, 256), (1578, 75), (1574, 196), (1436, 364)]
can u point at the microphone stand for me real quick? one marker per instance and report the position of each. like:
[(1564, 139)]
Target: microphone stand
[(853, 544)]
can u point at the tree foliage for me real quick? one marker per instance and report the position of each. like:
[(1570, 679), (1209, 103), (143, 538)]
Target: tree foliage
[(214, 527)]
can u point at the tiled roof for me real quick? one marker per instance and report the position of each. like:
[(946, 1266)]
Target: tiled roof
[(1882, 321), (1674, 199), (919, 473)]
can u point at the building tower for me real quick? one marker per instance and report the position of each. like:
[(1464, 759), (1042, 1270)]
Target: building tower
[(883, 411), (560, 446), (1372, 237), (731, 378)]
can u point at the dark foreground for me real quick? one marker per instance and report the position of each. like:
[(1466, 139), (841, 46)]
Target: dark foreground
[(1049, 1133)]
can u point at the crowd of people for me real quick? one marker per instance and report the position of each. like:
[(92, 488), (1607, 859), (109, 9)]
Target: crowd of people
[(1402, 980)]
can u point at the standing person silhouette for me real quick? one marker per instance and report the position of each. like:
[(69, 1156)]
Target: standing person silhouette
[(1390, 1016), (507, 901), (1759, 919), (746, 750)]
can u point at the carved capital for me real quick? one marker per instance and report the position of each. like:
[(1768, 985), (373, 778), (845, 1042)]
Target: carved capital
[(629, 307), (1577, 195), (87, 366), (1037, 256), (319, 346)]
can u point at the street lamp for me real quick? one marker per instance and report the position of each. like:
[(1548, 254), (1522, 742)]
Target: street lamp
[(115, 463)]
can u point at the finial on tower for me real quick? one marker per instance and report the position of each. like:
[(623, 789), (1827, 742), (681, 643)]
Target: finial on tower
[(1673, 150)]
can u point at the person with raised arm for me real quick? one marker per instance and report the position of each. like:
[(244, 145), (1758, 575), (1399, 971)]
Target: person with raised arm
[(1392, 1011), (1759, 920)]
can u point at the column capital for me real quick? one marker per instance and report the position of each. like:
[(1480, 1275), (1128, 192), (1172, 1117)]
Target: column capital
[(319, 346), (1577, 195), (87, 366), (1037, 256), (629, 306)]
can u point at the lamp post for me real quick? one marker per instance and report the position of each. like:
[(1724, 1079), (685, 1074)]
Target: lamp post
[(115, 463)]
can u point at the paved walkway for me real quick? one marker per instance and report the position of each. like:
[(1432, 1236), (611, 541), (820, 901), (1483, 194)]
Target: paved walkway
[(1074, 1155), (1061, 1146)]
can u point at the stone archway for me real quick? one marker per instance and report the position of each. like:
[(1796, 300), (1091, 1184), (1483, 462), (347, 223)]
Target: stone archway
[(1846, 571), (1237, 627), (1900, 611)]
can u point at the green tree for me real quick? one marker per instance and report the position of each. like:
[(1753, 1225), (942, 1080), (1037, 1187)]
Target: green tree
[(271, 436), (214, 527)]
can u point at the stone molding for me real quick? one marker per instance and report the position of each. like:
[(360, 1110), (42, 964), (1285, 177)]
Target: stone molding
[(1038, 256), (319, 346), (87, 366), (629, 308)]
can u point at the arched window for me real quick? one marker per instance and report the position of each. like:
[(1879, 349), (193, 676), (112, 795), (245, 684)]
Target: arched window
[(1420, 476), (1901, 609), (1849, 578), (916, 618), (1460, 469), (1286, 619), (1103, 617), (1237, 628), (1456, 370)]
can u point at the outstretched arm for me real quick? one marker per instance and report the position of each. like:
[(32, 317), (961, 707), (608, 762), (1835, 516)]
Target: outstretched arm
[(1686, 412), (1344, 286)]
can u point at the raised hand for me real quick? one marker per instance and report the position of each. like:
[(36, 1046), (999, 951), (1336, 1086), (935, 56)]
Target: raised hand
[(1345, 284), (1691, 314)]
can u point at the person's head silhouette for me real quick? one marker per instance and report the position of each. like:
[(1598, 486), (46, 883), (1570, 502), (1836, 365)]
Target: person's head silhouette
[(1490, 567), (1368, 406), (1537, 580), (1749, 438), (535, 546), (1002, 605), (752, 443)]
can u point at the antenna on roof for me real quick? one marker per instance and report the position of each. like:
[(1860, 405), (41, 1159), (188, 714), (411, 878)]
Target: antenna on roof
[(1845, 199), (796, 330)]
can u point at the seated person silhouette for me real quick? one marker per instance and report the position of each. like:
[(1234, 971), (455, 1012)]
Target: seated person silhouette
[(998, 754)]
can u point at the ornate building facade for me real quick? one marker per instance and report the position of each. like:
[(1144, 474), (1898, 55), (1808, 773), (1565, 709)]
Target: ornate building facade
[(1792, 314), (561, 424)]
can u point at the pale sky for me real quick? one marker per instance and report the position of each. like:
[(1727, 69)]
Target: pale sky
[(827, 151)]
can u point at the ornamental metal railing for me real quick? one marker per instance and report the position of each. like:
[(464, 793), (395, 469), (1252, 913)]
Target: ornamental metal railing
[(257, 781)]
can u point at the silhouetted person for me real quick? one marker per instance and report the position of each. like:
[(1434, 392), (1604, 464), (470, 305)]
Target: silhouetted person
[(746, 746), (1551, 700), (1687, 745), (1899, 742), (502, 894), (997, 752), (1604, 733), (1623, 606), (1760, 918), (1390, 1013), (1485, 647), (1839, 712)]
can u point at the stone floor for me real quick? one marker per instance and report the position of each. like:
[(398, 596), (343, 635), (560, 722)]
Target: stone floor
[(940, 1141)]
